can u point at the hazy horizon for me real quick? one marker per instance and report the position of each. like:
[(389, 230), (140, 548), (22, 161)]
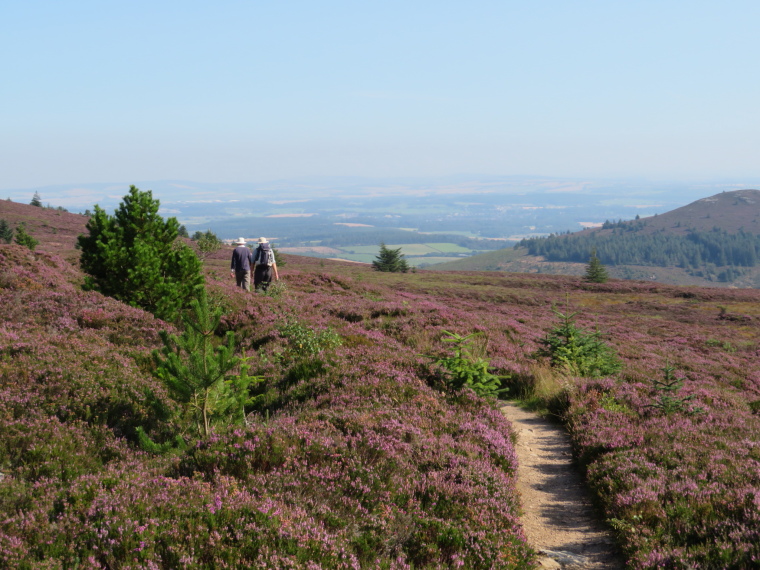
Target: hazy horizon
[(251, 92), (81, 196)]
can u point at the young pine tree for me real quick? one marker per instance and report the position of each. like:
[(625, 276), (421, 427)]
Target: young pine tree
[(6, 232), (198, 369), (463, 368), (595, 270), (36, 201), (23, 238), (579, 352), (390, 260), (134, 256)]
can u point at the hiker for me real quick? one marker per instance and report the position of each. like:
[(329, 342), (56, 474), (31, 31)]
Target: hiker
[(265, 266), (241, 265)]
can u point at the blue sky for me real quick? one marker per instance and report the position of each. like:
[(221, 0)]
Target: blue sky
[(235, 91)]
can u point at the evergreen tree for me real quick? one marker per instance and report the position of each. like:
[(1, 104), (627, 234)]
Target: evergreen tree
[(182, 232), (133, 256), (23, 238), (278, 258), (6, 232), (579, 352), (390, 260), (595, 271), (36, 200), (197, 368), (208, 243)]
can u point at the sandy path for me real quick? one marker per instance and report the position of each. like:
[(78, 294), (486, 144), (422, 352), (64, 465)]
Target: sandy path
[(558, 516)]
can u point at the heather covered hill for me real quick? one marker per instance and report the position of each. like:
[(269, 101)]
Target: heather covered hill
[(730, 211), (354, 453), (56, 230), (712, 241), (349, 458)]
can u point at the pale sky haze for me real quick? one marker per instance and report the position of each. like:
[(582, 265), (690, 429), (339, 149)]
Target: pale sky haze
[(246, 91)]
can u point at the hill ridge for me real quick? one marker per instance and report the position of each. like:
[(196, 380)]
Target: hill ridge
[(712, 241)]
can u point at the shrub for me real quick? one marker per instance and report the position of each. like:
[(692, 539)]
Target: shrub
[(579, 352), (463, 369), (278, 259), (207, 243), (133, 256), (304, 341), (275, 290), (23, 238)]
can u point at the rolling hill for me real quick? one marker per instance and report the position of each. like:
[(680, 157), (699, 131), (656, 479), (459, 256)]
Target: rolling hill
[(729, 211), (56, 230), (712, 241), (353, 452)]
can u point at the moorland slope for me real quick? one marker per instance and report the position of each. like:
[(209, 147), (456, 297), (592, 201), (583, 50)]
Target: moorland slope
[(664, 246), (56, 230), (353, 453)]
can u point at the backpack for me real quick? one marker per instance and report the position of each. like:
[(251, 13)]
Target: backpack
[(266, 257)]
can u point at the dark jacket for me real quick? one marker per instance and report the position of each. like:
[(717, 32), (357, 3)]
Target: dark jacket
[(242, 259)]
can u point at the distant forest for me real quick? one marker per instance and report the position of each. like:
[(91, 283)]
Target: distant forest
[(626, 246)]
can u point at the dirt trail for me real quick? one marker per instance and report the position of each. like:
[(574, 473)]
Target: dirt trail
[(558, 516)]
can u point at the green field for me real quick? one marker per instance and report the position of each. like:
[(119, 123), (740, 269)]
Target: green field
[(410, 249), (449, 248), (417, 261), (363, 257), (415, 253)]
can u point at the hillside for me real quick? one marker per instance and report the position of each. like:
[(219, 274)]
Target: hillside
[(349, 458), (56, 230), (713, 241), (729, 211), (353, 453)]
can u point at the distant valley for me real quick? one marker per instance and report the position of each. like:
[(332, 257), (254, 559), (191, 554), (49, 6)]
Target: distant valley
[(433, 220), (465, 223)]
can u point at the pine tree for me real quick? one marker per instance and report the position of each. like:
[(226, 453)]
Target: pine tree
[(197, 368), (390, 260), (23, 238), (6, 232), (36, 201), (208, 243), (134, 256), (278, 258), (595, 271), (579, 352)]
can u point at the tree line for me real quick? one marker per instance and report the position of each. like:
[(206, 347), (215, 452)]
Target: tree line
[(692, 250)]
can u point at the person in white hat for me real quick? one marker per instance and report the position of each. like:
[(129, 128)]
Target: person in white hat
[(265, 266), (241, 266)]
